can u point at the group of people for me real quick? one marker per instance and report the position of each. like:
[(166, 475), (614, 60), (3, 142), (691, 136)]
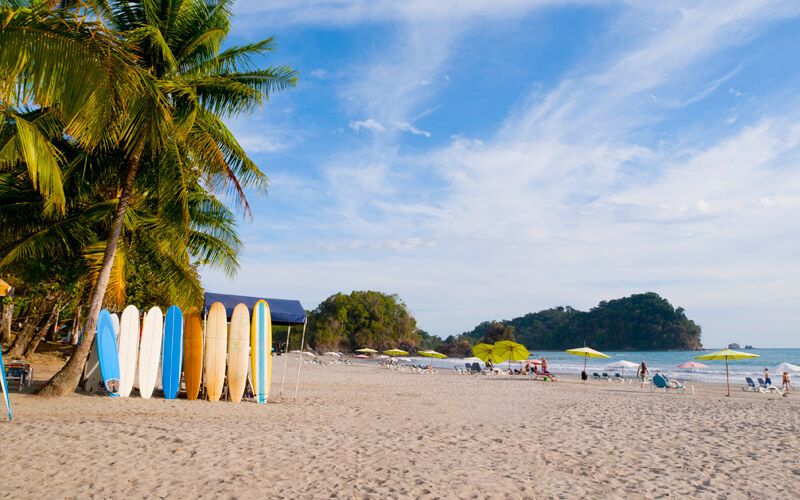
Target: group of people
[(786, 381)]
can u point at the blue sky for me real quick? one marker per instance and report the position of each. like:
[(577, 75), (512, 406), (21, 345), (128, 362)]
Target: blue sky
[(484, 159)]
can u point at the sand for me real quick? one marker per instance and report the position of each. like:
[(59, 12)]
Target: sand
[(365, 432)]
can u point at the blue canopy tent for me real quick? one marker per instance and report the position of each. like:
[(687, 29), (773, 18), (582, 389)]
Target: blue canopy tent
[(282, 312)]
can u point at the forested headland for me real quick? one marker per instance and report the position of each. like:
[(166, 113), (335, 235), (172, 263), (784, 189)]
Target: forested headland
[(644, 321)]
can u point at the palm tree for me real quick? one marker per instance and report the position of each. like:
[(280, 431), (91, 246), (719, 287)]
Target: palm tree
[(168, 125)]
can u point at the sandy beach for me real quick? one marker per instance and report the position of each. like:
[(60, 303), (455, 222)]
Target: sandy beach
[(358, 431)]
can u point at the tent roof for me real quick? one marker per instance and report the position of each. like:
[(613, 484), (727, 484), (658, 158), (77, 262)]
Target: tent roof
[(282, 311)]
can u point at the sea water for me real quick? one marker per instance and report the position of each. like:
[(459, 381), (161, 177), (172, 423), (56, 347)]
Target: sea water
[(665, 362)]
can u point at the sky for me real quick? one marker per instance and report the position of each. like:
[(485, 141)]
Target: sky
[(484, 159)]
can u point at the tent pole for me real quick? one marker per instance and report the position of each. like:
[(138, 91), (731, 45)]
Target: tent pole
[(300, 365), (286, 357)]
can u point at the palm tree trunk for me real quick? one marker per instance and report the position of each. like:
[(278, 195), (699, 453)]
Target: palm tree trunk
[(66, 380), (76, 325), (22, 340), (8, 313), (53, 330), (37, 338)]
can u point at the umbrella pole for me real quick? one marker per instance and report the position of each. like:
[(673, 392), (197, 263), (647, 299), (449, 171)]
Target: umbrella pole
[(727, 377), (585, 358)]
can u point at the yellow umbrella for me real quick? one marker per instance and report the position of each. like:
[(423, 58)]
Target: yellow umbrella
[(484, 353), (726, 354), (367, 350), (432, 354), (586, 352), (395, 352), (508, 350)]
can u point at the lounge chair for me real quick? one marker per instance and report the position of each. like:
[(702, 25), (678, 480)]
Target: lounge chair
[(20, 371), (596, 376), (751, 386), (765, 387), (619, 378), (660, 382), (476, 367), (606, 377)]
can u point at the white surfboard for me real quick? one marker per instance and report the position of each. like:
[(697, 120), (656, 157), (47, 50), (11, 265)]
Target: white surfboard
[(150, 351), (115, 324), (128, 349)]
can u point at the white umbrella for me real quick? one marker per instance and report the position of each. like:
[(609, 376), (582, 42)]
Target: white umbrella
[(332, 354), (382, 356), (473, 360), (621, 365), (404, 360), (786, 367)]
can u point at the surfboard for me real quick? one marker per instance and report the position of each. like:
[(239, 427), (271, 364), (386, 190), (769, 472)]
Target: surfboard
[(261, 351), (128, 349), (107, 353), (172, 350), (192, 352), (92, 379), (238, 352), (215, 350), (4, 387), (115, 324), (150, 351)]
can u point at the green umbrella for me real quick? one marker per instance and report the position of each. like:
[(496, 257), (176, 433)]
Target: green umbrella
[(432, 354), (726, 354), (484, 353), (395, 352), (367, 350)]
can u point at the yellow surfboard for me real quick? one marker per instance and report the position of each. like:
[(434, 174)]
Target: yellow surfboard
[(216, 350), (238, 352), (261, 350), (192, 352)]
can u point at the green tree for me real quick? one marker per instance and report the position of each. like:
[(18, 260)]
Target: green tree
[(167, 127), (362, 319)]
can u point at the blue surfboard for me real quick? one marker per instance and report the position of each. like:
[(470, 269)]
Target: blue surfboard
[(4, 387), (172, 352), (107, 353)]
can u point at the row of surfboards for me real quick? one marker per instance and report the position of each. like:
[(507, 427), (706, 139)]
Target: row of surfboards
[(125, 355)]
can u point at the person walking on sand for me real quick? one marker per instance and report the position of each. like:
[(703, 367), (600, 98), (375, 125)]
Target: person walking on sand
[(641, 373), (787, 382), (767, 379)]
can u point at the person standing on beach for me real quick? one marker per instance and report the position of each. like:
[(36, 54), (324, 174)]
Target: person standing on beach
[(544, 366), (641, 373), (767, 379), (787, 382)]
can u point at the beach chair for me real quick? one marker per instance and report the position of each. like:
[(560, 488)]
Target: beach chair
[(751, 386), (475, 368), (765, 387), (619, 378), (596, 376), (660, 382), (19, 371), (606, 377)]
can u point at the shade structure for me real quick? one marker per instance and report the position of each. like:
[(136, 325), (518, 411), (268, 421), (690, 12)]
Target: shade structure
[(395, 352), (586, 353), (787, 367), (622, 364), (282, 311), (484, 353), (692, 365), (508, 350), (432, 354), (726, 354), (367, 350)]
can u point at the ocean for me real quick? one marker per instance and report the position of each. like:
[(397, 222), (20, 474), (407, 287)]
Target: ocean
[(665, 362)]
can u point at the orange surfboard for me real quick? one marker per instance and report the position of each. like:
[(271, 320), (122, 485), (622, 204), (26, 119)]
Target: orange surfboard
[(192, 352)]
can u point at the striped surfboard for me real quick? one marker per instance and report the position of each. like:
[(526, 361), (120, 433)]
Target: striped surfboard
[(261, 350)]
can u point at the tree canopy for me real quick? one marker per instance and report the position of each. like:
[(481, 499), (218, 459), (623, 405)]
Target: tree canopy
[(640, 322), (362, 319)]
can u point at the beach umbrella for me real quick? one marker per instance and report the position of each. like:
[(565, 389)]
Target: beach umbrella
[(361, 356), (508, 350), (331, 353), (787, 367), (622, 364), (726, 354), (484, 353), (692, 365), (367, 350), (432, 354), (382, 356), (586, 353), (395, 352)]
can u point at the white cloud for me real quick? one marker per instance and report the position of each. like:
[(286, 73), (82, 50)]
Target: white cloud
[(368, 124), (407, 127)]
